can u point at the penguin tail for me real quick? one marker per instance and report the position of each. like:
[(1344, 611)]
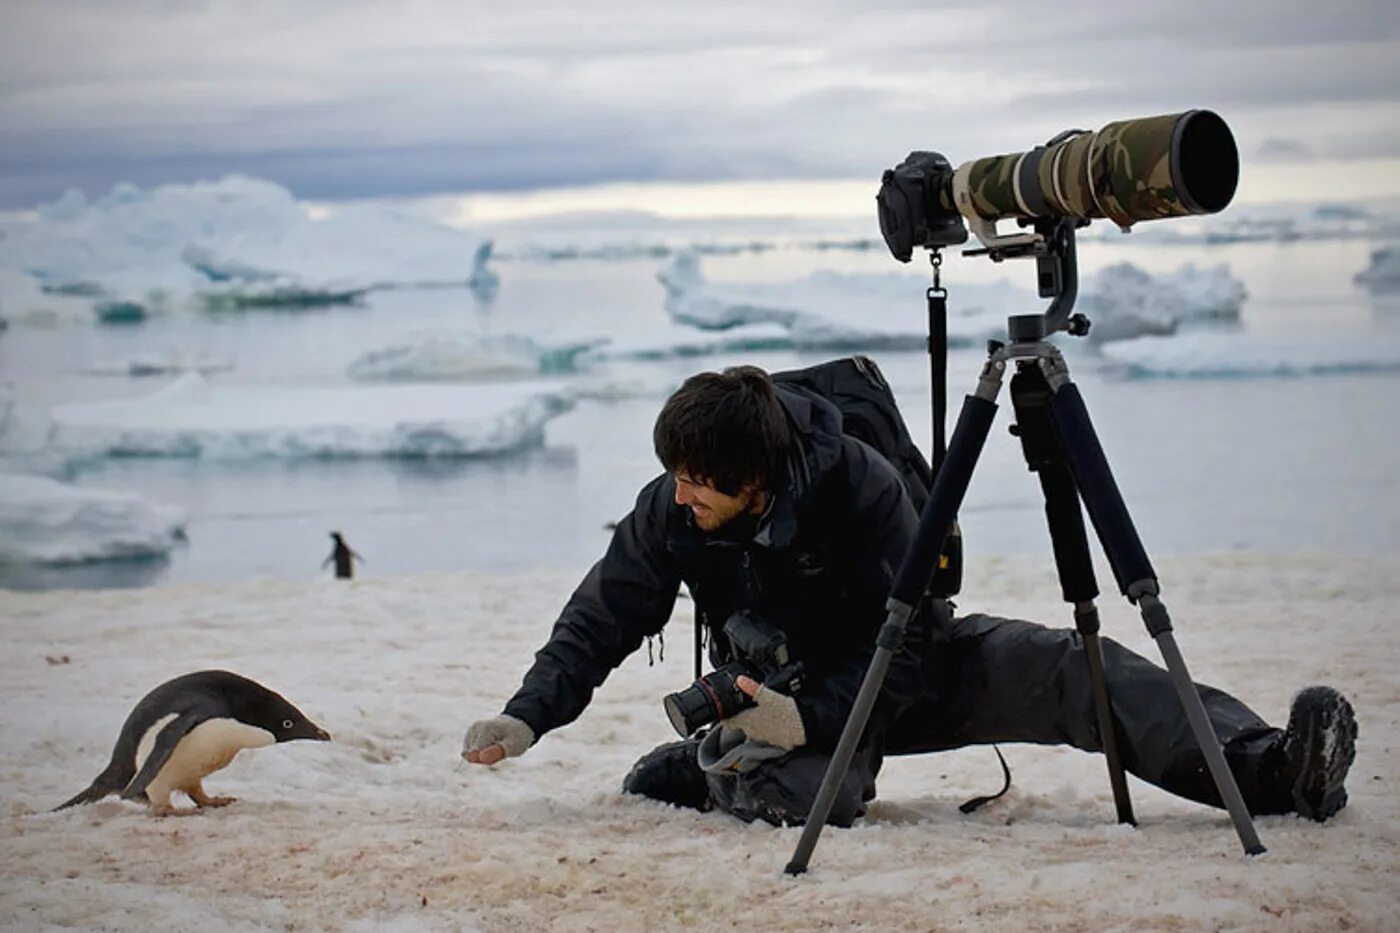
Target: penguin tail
[(104, 784)]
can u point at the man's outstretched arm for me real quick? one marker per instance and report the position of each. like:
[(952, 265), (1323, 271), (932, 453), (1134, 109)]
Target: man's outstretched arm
[(628, 595)]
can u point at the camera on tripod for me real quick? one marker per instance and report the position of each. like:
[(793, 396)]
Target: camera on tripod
[(1131, 170), (759, 650)]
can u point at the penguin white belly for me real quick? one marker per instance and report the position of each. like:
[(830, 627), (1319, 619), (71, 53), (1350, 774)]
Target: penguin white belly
[(206, 748)]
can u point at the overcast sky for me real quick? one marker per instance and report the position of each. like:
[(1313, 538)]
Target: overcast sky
[(339, 98)]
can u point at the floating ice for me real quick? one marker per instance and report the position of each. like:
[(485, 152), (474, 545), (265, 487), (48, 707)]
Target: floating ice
[(1124, 302), (678, 342), (279, 293), (1224, 355), (835, 311), (167, 363), (192, 418), (468, 358), (43, 521), (245, 241), (842, 312), (1383, 274)]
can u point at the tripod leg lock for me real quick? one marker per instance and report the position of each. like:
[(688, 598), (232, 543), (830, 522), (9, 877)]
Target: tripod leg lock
[(1154, 616), (1086, 618), (891, 634)]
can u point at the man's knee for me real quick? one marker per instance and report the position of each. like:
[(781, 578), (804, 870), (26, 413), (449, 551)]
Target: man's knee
[(782, 792)]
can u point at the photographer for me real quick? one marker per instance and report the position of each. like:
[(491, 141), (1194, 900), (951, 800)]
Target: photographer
[(768, 511)]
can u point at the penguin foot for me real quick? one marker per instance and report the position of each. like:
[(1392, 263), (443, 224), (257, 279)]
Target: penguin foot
[(213, 801), (201, 799), (160, 810)]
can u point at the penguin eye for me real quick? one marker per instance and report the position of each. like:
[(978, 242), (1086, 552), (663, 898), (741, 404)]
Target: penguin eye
[(286, 724)]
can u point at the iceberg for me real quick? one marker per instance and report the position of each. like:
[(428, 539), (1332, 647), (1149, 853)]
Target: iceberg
[(847, 312), (192, 418), (25, 300), (163, 247), (679, 342), (43, 521), (1124, 302), (168, 363), (1205, 354), (1383, 274), (279, 294), (468, 358), (835, 311)]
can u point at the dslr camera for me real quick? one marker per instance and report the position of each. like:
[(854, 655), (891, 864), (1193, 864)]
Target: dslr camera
[(760, 651)]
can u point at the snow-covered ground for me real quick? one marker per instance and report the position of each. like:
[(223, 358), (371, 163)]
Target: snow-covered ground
[(385, 829)]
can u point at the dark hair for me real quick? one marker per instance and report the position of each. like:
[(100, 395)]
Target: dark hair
[(727, 429)]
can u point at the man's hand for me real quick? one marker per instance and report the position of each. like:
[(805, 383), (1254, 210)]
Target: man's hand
[(775, 720), (490, 740)]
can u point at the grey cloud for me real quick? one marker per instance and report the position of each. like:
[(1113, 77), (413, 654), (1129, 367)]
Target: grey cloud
[(359, 98)]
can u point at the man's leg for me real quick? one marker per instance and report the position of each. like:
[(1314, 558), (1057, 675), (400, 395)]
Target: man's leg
[(1009, 681), (780, 791)]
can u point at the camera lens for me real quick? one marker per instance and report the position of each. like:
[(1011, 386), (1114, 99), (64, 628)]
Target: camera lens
[(710, 699)]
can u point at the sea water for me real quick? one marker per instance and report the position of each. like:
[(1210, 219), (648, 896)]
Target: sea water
[(1299, 460)]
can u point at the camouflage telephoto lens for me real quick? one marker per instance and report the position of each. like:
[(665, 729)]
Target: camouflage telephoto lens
[(1132, 170)]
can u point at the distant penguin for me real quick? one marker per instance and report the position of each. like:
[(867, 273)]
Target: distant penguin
[(344, 558), (188, 728)]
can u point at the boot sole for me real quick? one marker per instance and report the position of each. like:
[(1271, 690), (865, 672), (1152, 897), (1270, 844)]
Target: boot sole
[(1321, 746)]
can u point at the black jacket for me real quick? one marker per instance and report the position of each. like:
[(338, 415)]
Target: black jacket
[(818, 563)]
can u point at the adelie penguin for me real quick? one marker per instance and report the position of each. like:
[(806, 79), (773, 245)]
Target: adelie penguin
[(188, 728)]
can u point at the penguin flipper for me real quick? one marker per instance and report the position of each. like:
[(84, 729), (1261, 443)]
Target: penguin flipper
[(169, 737)]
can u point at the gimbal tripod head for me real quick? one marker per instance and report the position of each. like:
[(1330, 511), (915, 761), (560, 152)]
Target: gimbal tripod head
[(1051, 244)]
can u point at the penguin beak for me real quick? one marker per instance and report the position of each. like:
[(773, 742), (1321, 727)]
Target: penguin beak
[(321, 735)]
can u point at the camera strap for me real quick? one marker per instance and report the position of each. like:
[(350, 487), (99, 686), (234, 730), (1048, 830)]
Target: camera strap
[(938, 357), (976, 802)]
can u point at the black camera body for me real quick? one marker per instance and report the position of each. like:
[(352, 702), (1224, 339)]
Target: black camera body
[(760, 651)]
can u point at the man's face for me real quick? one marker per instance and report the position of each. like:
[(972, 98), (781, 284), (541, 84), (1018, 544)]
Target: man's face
[(711, 507)]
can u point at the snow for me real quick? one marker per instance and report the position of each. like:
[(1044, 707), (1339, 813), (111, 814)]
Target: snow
[(1216, 355), (43, 521), (835, 311), (194, 418), (240, 241), (385, 828)]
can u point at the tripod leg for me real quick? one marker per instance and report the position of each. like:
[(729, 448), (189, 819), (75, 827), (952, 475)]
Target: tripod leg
[(1086, 620), (1045, 455), (1138, 581), (910, 583)]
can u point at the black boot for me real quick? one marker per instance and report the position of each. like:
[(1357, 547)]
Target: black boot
[(1316, 751), (671, 774)]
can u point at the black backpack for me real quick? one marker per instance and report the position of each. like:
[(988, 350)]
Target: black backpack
[(855, 385)]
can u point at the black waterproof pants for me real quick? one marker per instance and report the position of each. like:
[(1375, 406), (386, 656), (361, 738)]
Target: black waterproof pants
[(1002, 680)]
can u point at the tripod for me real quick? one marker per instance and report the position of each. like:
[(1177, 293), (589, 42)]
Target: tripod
[(1060, 445)]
